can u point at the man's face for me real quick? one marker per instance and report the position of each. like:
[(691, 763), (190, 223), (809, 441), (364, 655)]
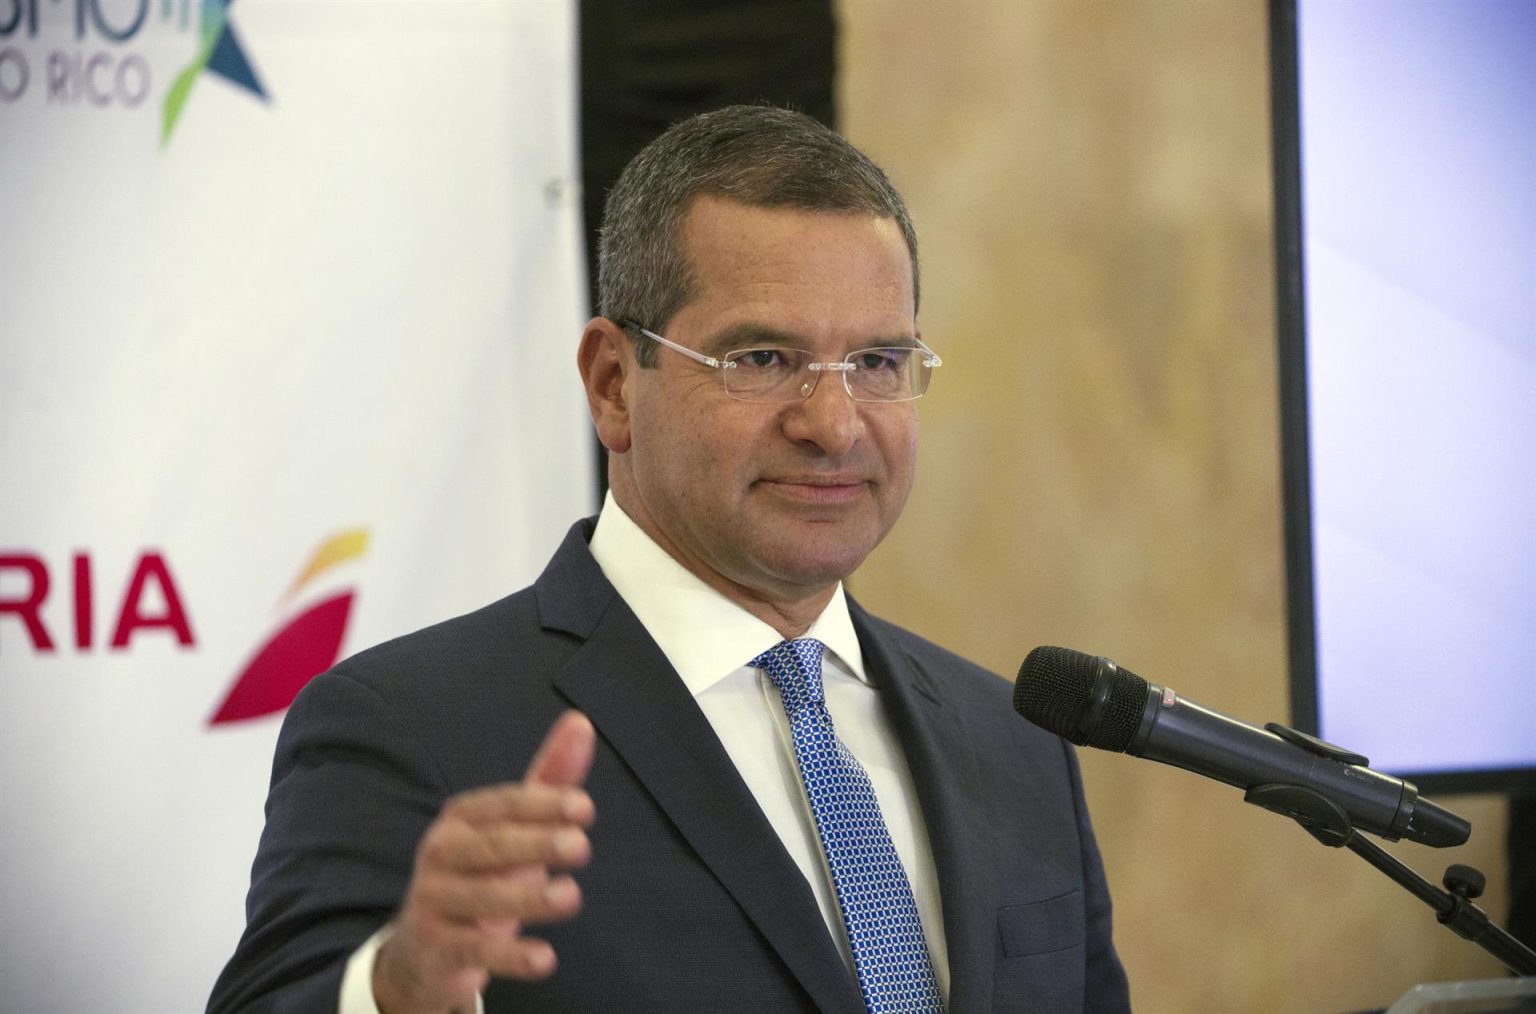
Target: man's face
[(779, 500)]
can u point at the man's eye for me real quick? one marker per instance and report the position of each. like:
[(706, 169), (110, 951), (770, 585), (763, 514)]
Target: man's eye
[(880, 359), (763, 359)]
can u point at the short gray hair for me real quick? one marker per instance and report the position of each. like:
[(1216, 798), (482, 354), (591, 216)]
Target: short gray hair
[(761, 156)]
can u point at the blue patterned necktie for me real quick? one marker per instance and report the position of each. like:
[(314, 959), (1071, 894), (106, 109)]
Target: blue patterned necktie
[(890, 954)]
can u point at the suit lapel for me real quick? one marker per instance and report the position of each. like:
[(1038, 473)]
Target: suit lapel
[(639, 705), (944, 773)]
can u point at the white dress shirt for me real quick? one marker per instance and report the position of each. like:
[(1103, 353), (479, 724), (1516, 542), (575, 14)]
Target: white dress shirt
[(709, 639)]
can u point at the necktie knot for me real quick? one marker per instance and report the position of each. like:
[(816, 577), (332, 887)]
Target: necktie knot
[(795, 669)]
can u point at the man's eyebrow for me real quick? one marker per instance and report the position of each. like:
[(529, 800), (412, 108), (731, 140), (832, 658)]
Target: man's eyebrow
[(746, 336)]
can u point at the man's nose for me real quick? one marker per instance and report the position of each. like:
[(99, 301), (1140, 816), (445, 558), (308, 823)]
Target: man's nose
[(828, 418)]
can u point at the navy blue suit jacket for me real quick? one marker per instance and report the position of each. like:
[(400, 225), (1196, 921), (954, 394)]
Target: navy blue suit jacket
[(691, 901)]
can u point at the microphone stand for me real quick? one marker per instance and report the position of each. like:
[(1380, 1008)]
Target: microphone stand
[(1328, 823)]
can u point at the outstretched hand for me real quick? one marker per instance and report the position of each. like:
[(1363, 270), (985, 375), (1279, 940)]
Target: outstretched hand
[(489, 866)]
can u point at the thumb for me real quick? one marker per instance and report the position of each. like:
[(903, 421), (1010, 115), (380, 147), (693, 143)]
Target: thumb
[(565, 756)]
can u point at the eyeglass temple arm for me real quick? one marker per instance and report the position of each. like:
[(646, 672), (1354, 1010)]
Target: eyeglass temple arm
[(697, 357)]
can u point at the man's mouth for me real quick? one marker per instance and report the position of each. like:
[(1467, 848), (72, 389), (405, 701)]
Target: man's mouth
[(817, 489)]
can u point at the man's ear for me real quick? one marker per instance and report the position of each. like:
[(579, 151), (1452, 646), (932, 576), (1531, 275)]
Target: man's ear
[(606, 359)]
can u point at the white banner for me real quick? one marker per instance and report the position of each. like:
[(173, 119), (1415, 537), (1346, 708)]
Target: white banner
[(289, 298)]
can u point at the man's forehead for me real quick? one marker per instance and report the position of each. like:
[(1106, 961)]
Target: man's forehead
[(729, 241), (829, 281)]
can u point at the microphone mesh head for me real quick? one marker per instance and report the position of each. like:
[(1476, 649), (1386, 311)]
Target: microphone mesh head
[(1053, 689), (1057, 686)]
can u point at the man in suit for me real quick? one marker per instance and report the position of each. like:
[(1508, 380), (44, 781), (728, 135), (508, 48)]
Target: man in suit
[(771, 800)]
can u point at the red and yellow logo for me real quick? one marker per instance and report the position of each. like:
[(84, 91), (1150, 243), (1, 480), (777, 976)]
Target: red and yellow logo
[(305, 646)]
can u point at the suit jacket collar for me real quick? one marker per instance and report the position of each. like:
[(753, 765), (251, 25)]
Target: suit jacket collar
[(944, 772), (624, 684)]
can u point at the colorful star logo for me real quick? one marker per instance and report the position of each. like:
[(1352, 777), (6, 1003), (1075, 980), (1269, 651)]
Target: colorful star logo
[(219, 53)]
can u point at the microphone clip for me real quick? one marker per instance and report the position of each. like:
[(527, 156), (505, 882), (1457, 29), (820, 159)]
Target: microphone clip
[(1318, 815), (1312, 744)]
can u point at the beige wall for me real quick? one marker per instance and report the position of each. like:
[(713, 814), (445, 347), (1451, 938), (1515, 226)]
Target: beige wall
[(1091, 182)]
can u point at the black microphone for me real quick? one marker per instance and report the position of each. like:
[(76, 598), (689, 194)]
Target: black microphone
[(1093, 702)]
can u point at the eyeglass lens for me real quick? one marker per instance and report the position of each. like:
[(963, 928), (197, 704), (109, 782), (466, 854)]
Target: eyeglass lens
[(781, 374)]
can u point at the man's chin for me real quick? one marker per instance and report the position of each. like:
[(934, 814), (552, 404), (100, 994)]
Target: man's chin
[(813, 568)]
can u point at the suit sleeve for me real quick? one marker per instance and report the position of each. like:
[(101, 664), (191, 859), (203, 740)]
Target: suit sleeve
[(352, 793), (1104, 986)]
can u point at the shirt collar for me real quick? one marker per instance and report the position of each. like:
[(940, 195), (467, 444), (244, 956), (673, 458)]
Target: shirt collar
[(704, 635)]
